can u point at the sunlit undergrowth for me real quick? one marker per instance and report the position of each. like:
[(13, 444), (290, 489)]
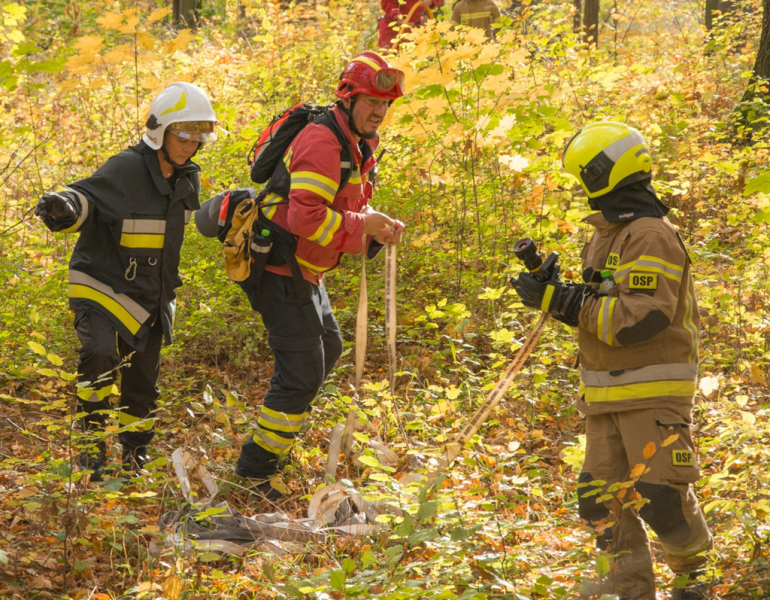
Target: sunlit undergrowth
[(472, 166)]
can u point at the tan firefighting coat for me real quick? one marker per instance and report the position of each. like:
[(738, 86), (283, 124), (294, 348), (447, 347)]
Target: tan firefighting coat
[(639, 343), (476, 13)]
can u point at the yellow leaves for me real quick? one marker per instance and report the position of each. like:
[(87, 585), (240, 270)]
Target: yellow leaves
[(90, 44), (708, 384), (158, 14), (173, 586), (649, 450), (130, 25), (111, 20), (670, 440), (145, 40), (149, 82), (119, 54), (181, 41), (436, 105), (504, 125), (515, 163), (639, 470)]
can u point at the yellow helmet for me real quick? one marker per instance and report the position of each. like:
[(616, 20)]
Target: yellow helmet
[(605, 156)]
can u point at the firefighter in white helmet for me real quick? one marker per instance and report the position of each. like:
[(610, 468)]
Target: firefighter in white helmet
[(131, 216)]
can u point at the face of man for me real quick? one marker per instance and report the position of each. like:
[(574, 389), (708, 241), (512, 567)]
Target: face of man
[(180, 150), (368, 113)]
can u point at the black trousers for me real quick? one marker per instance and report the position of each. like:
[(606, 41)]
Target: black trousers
[(306, 344), (103, 353)]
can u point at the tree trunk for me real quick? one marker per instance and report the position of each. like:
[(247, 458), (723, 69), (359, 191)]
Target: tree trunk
[(186, 12), (577, 18), (752, 107), (723, 6), (762, 63), (591, 22)]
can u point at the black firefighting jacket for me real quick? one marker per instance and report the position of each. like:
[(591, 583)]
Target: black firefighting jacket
[(125, 264)]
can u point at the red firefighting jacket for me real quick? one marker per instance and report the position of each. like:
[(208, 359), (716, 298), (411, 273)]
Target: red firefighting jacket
[(326, 219)]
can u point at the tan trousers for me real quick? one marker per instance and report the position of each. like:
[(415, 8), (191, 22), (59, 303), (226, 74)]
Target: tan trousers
[(615, 443)]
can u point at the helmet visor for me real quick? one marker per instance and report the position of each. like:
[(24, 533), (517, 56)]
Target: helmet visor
[(196, 131), (387, 79)]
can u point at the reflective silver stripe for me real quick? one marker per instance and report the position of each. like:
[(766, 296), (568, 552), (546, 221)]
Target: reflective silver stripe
[(83, 208), (134, 309), (321, 185), (345, 164), (617, 149), (651, 373), (146, 225), (272, 442), (260, 249), (187, 216), (649, 264)]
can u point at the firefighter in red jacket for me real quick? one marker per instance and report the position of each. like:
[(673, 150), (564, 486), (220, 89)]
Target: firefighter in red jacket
[(396, 14), (327, 221), (638, 327), (131, 215)]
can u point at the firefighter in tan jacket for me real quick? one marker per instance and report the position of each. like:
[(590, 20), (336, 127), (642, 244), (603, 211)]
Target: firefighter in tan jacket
[(638, 325)]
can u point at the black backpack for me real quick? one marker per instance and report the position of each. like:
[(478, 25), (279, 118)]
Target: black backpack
[(266, 155)]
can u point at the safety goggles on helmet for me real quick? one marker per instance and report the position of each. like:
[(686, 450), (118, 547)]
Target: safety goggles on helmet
[(195, 131), (385, 80)]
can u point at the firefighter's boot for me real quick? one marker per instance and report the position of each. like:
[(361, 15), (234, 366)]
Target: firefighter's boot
[(134, 459), (92, 459)]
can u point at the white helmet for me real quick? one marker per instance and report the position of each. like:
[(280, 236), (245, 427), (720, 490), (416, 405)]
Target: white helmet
[(184, 109)]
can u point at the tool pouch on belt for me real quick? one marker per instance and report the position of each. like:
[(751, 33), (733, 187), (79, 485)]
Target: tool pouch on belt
[(238, 241)]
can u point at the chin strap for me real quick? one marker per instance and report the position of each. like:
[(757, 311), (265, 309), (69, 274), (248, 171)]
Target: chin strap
[(349, 113), (168, 158)]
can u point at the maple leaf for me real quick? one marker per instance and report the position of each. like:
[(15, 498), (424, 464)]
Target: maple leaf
[(145, 40), (81, 63), (505, 125), (158, 14), (465, 51), (489, 52), (181, 41), (119, 54), (515, 163), (130, 25), (111, 20), (89, 44), (477, 37)]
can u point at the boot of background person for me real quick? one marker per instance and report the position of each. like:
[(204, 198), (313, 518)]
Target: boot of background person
[(93, 459), (134, 459)]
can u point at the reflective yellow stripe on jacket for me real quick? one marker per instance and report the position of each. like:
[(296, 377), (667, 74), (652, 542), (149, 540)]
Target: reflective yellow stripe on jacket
[(465, 17), (325, 233), (604, 326), (143, 233), (314, 182), (649, 264), (126, 310), (663, 380)]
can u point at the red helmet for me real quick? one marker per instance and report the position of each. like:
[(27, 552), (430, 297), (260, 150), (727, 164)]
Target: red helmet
[(369, 73)]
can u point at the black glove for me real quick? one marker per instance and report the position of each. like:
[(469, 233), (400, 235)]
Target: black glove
[(57, 211), (563, 302)]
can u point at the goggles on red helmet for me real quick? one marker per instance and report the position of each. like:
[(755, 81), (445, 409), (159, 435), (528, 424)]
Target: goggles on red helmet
[(371, 74)]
